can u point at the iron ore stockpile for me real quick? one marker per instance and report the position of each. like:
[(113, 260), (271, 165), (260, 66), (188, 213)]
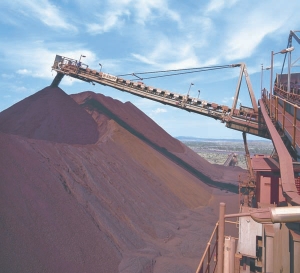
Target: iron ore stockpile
[(91, 184)]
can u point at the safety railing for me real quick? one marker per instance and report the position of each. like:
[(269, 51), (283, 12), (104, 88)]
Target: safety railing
[(293, 96), (209, 260), (297, 183), (284, 112), (271, 106)]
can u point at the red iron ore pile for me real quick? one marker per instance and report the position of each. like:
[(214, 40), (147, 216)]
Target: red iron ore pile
[(91, 184)]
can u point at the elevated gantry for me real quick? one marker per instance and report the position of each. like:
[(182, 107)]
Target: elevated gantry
[(244, 119)]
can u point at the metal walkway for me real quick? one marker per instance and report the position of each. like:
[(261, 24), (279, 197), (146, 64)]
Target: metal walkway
[(285, 114)]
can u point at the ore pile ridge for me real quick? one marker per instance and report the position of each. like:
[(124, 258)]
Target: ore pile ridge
[(91, 184)]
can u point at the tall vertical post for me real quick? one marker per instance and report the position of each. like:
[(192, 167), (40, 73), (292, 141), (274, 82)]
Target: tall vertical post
[(232, 255), (276, 108), (295, 126), (289, 74), (269, 248), (221, 233), (271, 77), (295, 251), (270, 105), (283, 116), (208, 259), (261, 77)]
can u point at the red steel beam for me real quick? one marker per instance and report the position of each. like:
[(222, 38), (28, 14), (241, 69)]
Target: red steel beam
[(285, 161)]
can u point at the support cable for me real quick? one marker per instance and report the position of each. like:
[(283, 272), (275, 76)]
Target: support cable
[(198, 69)]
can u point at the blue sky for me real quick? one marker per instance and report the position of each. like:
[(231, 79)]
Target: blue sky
[(129, 36)]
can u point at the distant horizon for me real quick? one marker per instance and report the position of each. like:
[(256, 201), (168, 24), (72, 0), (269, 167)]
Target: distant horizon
[(191, 138)]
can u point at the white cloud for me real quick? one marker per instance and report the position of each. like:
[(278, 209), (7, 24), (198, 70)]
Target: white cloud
[(68, 81), (229, 100), (120, 12), (169, 54), (146, 10), (159, 110), (225, 100), (24, 72), (20, 89), (242, 39), (43, 11), (38, 58), (144, 59), (215, 5), (218, 5), (110, 20)]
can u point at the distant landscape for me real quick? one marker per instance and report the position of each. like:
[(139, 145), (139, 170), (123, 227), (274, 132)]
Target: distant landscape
[(216, 151)]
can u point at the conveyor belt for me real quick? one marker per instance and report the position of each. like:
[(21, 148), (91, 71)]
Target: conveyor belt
[(244, 119)]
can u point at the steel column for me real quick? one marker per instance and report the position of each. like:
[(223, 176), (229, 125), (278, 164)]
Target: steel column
[(276, 108), (269, 254), (294, 126), (221, 234), (283, 115), (232, 254)]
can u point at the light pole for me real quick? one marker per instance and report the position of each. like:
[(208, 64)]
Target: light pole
[(79, 63), (198, 94), (188, 93), (261, 77), (100, 67), (81, 56), (289, 69), (283, 51)]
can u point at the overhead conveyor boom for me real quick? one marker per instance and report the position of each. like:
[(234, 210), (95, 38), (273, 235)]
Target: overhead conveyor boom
[(244, 119)]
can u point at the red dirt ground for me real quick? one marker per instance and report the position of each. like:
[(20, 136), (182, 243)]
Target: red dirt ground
[(91, 184)]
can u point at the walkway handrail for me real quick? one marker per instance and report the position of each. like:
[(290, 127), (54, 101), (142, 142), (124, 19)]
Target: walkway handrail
[(290, 96), (207, 253), (286, 119), (285, 160), (277, 106)]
